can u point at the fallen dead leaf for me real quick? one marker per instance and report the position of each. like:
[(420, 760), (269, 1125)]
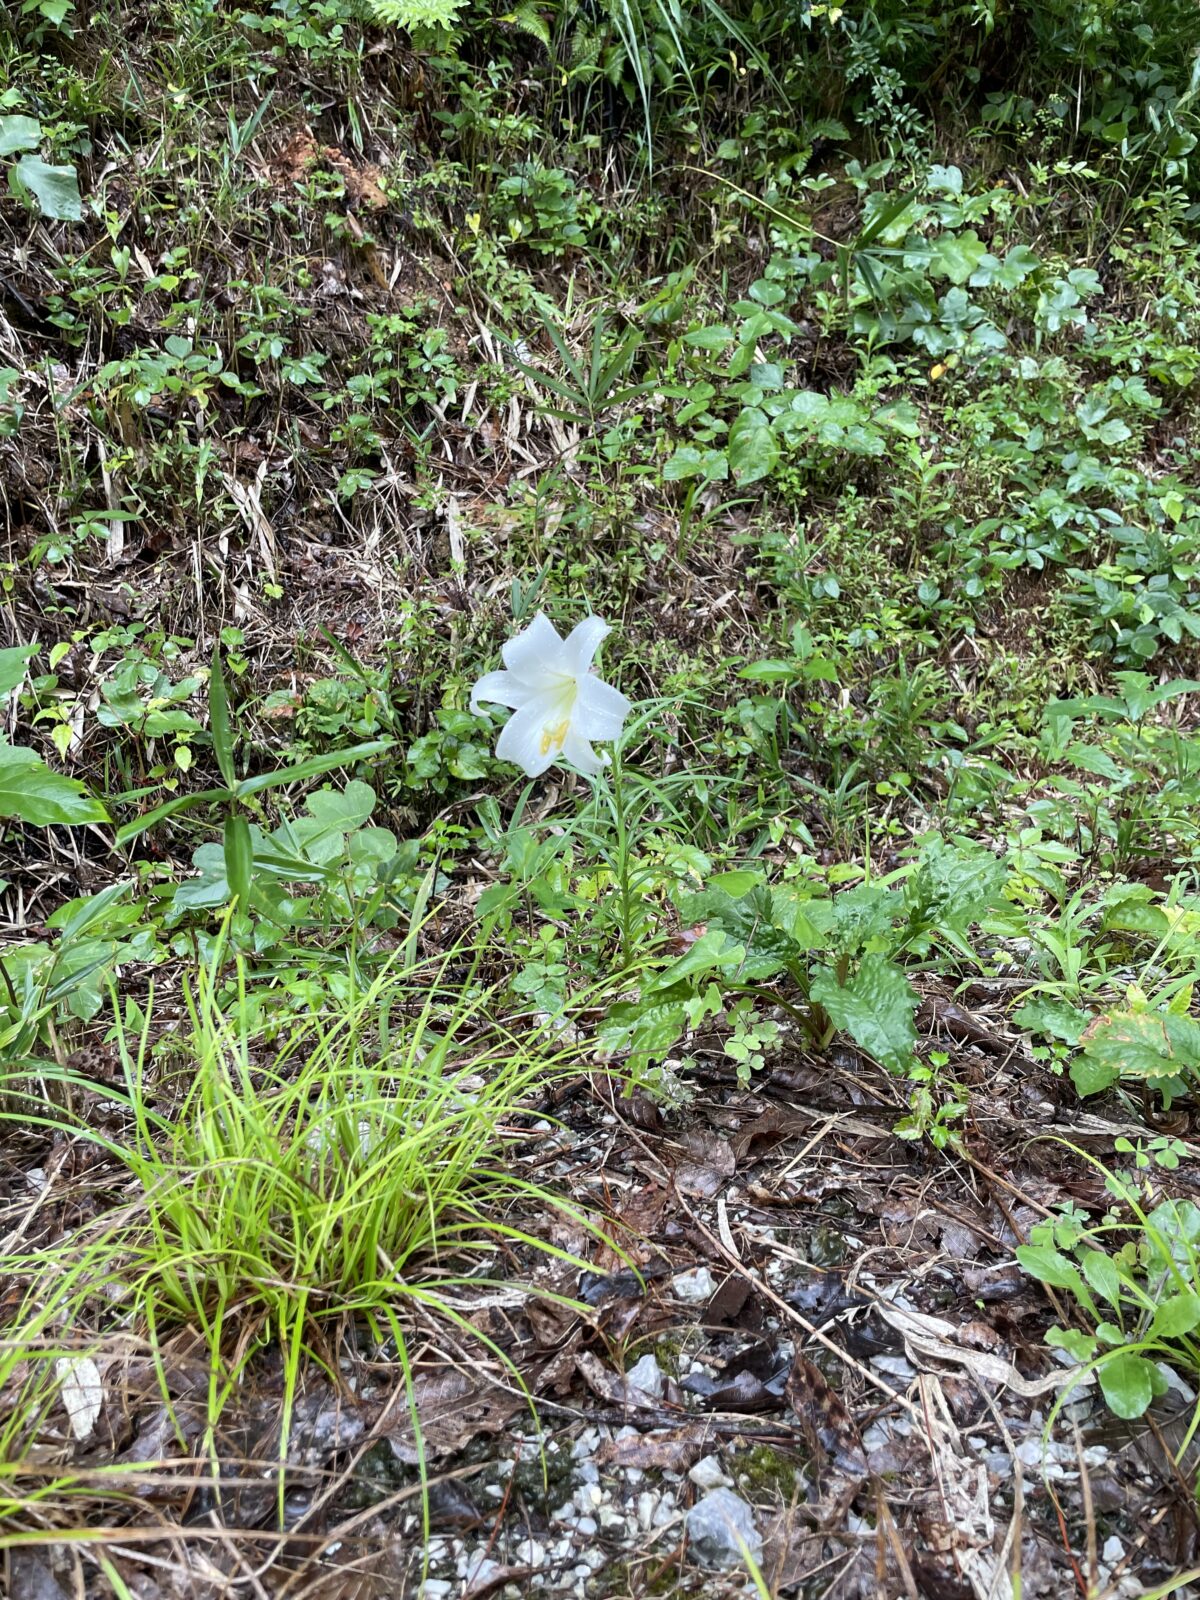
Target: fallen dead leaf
[(710, 1163), (82, 1393), (452, 1408), (669, 1452), (824, 1417), (612, 1387), (933, 1338)]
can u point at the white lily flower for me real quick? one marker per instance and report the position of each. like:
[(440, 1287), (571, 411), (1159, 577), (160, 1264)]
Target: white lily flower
[(559, 703)]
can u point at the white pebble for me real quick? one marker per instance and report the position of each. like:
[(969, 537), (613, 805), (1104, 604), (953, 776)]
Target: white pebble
[(647, 1375), (694, 1286), (708, 1473)]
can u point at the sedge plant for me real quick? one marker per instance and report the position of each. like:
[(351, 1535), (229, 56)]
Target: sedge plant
[(351, 1170)]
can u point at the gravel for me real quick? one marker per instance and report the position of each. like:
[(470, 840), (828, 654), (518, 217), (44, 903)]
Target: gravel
[(715, 1525)]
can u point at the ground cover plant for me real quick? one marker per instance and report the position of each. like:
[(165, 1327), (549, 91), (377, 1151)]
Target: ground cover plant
[(600, 674)]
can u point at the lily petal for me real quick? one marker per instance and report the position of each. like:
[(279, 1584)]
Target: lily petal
[(579, 754), (500, 689), (582, 643), (600, 710), (536, 655), (522, 740)]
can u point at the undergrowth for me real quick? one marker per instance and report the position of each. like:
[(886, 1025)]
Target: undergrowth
[(844, 359)]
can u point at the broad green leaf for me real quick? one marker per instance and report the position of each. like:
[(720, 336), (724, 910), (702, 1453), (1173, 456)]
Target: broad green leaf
[(13, 664), (956, 255), (737, 882), (645, 1028), (19, 133), (74, 918), (1008, 274), (712, 951), (56, 189), (1127, 1381), (1080, 1345), (31, 792), (689, 462), (209, 888), (342, 809), (876, 1007), (901, 416), (1101, 1272), (1176, 1316), (1054, 1018), (772, 671), (714, 338), (1143, 1044), (753, 448), (748, 918), (1051, 1267), (1091, 1076), (1090, 758)]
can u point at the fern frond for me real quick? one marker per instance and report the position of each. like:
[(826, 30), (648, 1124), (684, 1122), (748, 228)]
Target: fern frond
[(414, 13), (526, 18)]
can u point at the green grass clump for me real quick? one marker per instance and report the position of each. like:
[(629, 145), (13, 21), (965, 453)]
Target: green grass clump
[(350, 1172)]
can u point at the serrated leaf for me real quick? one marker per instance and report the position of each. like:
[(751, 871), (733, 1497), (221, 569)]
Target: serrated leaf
[(645, 1028), (876, 1008), (1142, 1044), (32, 793), (1054, 1018), (748, 918)]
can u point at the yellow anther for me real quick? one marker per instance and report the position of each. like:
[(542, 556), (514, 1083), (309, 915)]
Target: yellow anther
[(554, 737)]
